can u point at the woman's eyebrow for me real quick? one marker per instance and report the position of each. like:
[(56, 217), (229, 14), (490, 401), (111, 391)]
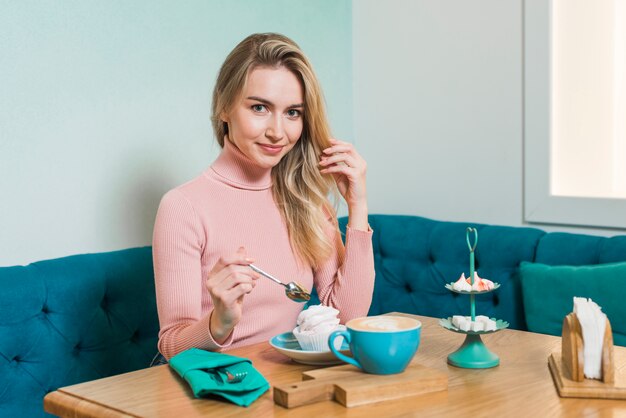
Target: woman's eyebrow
[(267, 102)]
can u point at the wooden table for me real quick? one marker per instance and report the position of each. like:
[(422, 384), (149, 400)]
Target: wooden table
[(520, 386)]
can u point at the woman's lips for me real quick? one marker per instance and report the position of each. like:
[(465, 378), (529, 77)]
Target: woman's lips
[(271, 149)]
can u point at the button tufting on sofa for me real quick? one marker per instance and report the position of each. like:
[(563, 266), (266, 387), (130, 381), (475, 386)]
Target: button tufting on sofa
[(90, 316)]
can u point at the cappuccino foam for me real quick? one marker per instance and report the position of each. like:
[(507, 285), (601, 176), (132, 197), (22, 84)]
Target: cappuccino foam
[(383, 323)]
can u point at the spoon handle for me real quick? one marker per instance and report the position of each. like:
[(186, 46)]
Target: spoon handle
[(269, 276)]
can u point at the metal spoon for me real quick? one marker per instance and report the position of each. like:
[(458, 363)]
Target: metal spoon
[(293, 290)]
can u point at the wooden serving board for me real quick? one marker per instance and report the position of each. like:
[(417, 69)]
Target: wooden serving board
[(350, 386)]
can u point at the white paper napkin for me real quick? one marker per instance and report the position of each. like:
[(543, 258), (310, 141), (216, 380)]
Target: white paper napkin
[(593, 324)]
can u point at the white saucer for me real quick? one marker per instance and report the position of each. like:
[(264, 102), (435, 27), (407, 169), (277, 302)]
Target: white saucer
[(287, 344)]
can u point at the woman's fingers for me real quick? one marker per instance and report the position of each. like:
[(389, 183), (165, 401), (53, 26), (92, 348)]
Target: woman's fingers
[(341, 152), (339, 146), (240, 278), (239, 261), (232, 295), (228, 282), (238, 258), (239, 291), (339, 169), (231, 273), (343, 163), (347, 159), (230, 276), (349, 170)]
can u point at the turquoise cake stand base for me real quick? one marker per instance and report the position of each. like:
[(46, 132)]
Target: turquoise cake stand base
[(473, 354)]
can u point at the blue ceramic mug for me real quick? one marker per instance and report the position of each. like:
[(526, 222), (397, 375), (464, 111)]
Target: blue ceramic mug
[(382, 344)]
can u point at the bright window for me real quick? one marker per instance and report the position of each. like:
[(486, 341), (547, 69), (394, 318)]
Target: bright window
[(588, 129), (575, 112)]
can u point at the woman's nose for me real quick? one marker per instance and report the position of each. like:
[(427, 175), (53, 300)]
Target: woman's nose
[(275, 130)]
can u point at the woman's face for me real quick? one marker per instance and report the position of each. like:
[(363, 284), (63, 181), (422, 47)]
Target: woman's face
[(267, 120)]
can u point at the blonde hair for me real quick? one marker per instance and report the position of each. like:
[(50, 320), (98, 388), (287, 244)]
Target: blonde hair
[(300, 190)]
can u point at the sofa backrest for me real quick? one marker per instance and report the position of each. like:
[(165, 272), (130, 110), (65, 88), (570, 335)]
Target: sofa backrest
[(415, 257), (558, 248), (73, 319)]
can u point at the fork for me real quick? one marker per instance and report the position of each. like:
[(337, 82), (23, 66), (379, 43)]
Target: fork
[(235, 378), (233, 374)]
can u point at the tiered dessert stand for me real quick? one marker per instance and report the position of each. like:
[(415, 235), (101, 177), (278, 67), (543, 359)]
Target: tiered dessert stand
[(473, 354)]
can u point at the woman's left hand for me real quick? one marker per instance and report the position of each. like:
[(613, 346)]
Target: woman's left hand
[(349, 170)]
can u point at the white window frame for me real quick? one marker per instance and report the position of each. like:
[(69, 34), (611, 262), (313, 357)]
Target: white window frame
[(540, 206)]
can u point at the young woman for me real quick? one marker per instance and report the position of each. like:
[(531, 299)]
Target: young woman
[(263, 200)]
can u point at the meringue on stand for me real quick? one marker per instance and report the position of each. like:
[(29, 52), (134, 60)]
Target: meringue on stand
[(480, 284)]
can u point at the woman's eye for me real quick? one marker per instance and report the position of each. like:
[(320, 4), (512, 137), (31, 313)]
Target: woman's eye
[(258, 108), (293, 113)]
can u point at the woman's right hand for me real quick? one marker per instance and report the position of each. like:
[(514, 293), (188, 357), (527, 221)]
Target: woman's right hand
[(228, 282)]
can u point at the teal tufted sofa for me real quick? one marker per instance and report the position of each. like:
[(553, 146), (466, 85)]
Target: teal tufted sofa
[(89, 316), (415, 257), (71, 320)]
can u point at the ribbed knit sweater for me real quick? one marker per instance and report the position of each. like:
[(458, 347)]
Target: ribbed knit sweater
[(228, 206)]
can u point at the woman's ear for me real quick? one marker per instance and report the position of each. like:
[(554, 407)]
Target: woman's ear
[(224, 117)]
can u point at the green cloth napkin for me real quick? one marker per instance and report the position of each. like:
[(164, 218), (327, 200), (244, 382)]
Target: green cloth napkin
[(205, 373)]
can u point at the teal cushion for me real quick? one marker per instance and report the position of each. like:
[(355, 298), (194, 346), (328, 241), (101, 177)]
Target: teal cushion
[(548, 293)]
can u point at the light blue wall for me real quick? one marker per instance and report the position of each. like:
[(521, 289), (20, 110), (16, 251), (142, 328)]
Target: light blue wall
[(104, 105)]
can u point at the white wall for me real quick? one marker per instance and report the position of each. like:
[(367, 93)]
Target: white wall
[(438, 113), (105, 105), (438, 98)]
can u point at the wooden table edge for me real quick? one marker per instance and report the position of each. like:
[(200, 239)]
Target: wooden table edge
[(64, 404)]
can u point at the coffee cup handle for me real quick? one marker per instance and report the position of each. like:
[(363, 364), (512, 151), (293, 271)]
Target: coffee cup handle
[(341, 356)]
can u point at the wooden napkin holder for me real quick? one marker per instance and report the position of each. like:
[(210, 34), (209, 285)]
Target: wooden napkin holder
[(567, 367)]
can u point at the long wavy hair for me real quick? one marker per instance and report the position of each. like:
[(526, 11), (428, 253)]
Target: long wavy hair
[(300, 191)]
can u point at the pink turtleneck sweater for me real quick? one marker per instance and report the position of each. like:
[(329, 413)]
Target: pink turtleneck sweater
[(228, 206)]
